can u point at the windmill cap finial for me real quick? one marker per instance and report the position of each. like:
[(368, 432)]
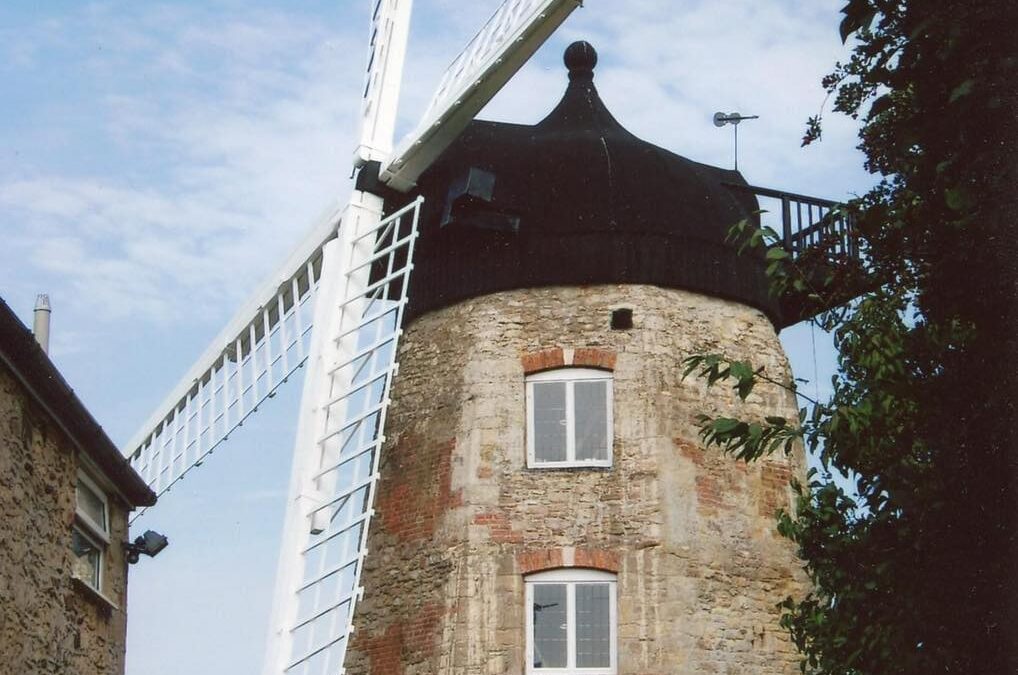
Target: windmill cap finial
[(580, 59)]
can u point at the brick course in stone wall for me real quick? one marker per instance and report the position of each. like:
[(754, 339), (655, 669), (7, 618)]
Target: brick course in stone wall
[(461, 520), (558, 357)]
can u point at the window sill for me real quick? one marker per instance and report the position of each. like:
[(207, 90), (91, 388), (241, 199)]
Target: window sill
[(546, 466), (94, 596)]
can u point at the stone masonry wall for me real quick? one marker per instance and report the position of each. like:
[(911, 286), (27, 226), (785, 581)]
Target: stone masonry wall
[(460, 519), (49, 622)]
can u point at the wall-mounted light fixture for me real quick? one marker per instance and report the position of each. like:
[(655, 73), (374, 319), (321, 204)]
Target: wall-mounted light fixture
[(150, 543)]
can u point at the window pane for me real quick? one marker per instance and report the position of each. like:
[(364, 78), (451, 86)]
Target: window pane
[(86, 559), (550, 421), (91, 504), (593, 634), (591, 401), (550, 626)]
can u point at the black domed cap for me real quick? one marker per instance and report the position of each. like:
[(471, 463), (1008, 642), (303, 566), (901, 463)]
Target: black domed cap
[(576, 200), (580, 58)]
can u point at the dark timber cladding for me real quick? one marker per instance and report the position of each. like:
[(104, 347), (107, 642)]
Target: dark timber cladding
[(577, 200)]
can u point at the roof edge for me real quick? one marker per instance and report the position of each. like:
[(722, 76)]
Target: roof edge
[(33, 368)]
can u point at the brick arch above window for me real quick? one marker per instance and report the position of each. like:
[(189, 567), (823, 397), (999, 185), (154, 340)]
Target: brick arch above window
[(568, 357), (540, 560)]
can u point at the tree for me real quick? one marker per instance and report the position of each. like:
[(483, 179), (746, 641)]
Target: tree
[(914, 571)]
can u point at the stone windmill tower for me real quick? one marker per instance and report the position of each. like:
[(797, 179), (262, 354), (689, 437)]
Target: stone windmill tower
[(544, 506)]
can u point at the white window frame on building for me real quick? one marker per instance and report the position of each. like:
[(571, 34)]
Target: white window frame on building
[(90, 532), (569, 378), (570, 579)]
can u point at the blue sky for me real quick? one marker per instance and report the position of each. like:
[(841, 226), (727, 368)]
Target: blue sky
[(158, 159)]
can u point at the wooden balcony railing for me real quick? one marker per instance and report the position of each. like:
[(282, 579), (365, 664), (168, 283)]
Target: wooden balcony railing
[(809, 225), (807, 222)]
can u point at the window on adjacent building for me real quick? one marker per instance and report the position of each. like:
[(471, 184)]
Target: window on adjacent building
[(88, 557), (571, 622), (569, 418), (91, 532)]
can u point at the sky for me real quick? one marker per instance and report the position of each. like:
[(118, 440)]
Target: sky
[(159, 159)]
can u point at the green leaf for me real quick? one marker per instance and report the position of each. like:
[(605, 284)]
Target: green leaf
[(716, 374), (777, 254), (741, 370), (691, 364), (724, 425), (770, 234)]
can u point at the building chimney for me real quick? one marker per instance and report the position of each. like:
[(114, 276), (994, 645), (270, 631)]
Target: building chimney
[(40, 324)]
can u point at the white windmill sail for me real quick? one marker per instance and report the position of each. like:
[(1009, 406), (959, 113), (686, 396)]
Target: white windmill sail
[(353, 354), (358, 312), (510, 37), (267, 339), (352, 287), (254, 354)]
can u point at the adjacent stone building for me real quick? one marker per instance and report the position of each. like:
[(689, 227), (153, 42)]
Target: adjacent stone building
[(545, 505), (65, 495)]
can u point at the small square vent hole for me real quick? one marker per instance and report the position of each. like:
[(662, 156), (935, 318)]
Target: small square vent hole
[(622, 319)]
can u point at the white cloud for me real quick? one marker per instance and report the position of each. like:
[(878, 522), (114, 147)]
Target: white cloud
[(245, 148)]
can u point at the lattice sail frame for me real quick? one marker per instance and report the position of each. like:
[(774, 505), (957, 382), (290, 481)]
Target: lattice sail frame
[(233, 387), (255, 354), (506, 41), (366, 273), (268, 338)]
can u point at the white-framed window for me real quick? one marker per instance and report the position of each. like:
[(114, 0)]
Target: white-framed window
[(90, 533), (569, 418), (572, 622)]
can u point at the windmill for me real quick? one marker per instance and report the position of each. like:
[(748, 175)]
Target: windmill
[(335, 306)]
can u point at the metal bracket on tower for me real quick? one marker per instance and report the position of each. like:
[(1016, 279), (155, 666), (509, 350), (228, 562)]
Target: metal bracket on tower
[(368, 180)]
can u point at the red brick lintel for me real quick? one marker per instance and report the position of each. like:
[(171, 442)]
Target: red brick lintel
[(559, 357), (539, 560)]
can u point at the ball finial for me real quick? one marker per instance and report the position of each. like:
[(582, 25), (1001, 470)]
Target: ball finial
[(580, 59)]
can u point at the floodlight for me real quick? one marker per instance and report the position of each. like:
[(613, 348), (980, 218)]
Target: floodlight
[(150, 543)]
